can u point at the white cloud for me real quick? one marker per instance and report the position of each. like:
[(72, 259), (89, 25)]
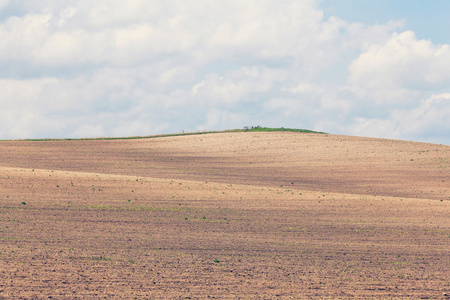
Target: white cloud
[(89, 130), (402, 62), (305, 88), (111, 67), (3, 3), (427, 122), (241, 85), (132, 32), (218, 118)]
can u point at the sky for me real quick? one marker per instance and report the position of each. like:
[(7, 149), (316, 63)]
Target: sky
[(110, 68)]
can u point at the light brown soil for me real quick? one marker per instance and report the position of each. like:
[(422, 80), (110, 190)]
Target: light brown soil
[(227, 215)]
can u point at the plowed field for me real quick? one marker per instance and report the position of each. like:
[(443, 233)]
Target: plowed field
[(240, 215)]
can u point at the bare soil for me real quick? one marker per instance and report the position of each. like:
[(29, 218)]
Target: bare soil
[(227, 215)]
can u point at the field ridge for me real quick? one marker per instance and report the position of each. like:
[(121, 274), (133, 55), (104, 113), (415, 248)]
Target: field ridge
[(233, 214)]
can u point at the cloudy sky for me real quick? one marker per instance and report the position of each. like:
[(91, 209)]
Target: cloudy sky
[(83, 68)]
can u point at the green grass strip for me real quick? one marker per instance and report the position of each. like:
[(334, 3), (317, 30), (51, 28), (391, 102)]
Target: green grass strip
[(246, 129)]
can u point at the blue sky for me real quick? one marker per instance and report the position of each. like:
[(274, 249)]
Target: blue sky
[(81, 68), (428, 19)]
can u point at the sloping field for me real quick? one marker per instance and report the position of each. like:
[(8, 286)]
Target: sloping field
[(241, 215)]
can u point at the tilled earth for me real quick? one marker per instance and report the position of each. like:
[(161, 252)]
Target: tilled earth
[(228, 215)]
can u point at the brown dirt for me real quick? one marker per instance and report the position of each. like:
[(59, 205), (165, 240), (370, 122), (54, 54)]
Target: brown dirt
[(227, 215)]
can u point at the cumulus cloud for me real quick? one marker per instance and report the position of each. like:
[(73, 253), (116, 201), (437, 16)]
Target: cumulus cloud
[(125, 33), (403, 62), (79, 68), (428, 122)]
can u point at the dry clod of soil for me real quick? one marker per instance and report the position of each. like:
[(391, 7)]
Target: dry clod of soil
[(225, 215)]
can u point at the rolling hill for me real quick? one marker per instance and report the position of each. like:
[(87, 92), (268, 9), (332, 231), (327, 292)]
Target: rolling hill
[(245, 214)]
